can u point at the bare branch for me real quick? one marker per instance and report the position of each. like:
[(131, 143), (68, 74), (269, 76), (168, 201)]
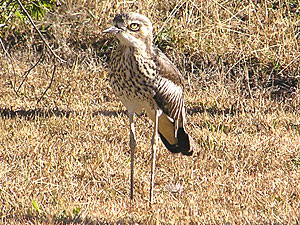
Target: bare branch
[(29, 70), (40, 34), (52, 77)]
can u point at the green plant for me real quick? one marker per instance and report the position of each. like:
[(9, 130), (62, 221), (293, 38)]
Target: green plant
[(12, 11)]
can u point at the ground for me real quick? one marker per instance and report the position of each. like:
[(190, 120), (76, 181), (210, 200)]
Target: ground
[(66, 159)]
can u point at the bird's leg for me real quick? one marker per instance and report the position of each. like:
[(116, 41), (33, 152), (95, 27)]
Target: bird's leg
[(173, 167), (132, 145), (153, 143)]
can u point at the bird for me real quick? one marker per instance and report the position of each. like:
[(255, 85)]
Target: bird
[(143, 77)]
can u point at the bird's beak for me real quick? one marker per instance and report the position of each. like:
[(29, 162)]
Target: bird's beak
[(113, 30)]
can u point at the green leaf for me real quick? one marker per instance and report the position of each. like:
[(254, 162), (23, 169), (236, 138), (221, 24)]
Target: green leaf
[(19, 15), (76, 211), (35, 205)]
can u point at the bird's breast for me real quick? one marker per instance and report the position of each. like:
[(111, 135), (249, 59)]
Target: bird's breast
[(132, 80)]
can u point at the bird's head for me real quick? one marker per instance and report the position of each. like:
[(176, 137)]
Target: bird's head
[(132, 29)]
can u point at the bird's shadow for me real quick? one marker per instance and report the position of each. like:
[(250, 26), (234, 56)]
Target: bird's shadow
[(212, 111), (109, 113), (29, 114)]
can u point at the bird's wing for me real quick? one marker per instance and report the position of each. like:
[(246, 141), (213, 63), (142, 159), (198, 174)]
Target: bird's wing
[(169, 92), (166, 68)]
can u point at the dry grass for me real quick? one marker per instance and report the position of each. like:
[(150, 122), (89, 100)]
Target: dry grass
[(67, 161)]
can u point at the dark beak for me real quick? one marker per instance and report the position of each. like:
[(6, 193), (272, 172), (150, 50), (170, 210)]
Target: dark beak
[(113, 30)]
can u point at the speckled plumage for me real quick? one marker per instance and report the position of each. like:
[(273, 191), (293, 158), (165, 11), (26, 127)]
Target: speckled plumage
[(129, 79), (142, 77)]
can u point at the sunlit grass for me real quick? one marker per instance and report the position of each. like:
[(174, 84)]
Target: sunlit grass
[(67, 159)]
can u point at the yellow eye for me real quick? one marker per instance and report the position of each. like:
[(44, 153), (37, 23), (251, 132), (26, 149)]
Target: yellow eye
[(134, 26)]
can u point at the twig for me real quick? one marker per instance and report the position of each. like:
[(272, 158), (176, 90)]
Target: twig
[(52, 77), (10, 13), (48, 46), (40, 34), (175, 9), (29, 70), (227, 10), (254, 51), (281, 71), (11, 60), (4, 49)]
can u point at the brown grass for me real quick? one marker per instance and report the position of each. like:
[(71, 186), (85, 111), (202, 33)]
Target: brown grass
[(67, 160)]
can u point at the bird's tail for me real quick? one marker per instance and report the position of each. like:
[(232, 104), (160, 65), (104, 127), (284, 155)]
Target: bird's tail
[(181, 143)]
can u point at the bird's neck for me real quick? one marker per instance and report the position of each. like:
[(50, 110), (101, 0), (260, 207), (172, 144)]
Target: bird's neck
[(144, 48), (148, 45)]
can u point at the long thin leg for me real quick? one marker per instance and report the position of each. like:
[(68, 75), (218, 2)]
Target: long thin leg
[(132, 145), (153, 143)]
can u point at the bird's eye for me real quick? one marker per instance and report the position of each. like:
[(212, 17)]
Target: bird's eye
[(134, 26)]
